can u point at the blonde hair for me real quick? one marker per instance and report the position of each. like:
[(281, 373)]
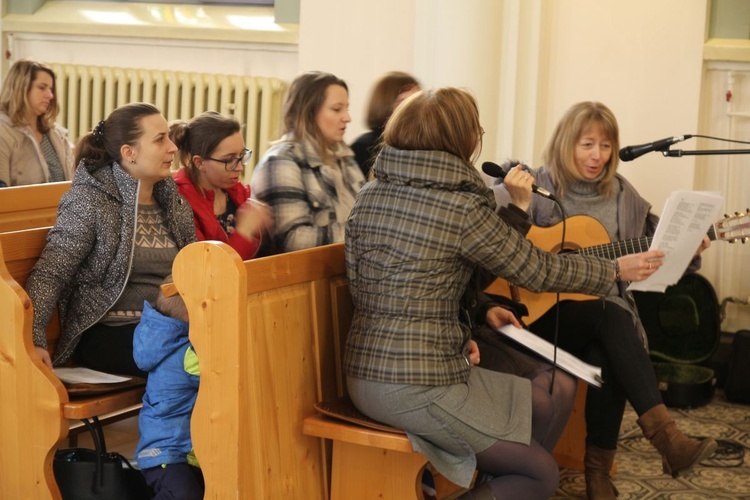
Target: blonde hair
[(306, 96), (384, 94), (445, 119), (14, 98), (559, 154)]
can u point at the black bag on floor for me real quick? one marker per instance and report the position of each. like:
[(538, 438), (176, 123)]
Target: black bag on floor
[(683, 328), (85, 474), (737, 387)]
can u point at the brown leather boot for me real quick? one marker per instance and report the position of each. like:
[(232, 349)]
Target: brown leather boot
[(679, 452), (598, 463)]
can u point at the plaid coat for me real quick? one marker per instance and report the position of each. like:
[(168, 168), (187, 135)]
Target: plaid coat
[(413, 239), (301, 190)]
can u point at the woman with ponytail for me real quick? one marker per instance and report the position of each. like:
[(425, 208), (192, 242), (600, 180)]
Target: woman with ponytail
[(212, 155), (118, 230)]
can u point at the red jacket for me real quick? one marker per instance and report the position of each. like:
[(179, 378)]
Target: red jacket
[(207, 226)]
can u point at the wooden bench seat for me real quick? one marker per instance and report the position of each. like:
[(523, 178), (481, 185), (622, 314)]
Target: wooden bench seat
[(368, 463), (97, 406), (36, 411), (26, 207)]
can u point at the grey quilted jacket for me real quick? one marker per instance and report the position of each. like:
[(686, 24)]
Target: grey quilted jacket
[(85, 265)]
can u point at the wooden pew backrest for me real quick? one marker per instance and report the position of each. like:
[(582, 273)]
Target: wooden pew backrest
[(35, 408), (26, 207), (263, 331), (21, 250), (31, 397)]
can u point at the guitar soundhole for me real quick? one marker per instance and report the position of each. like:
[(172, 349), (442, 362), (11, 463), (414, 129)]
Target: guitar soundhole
[(569, 247)]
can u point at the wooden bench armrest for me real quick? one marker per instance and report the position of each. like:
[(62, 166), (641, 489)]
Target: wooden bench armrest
[(329, 428)]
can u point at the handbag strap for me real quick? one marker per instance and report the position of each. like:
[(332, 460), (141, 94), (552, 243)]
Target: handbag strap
[(97, 436)]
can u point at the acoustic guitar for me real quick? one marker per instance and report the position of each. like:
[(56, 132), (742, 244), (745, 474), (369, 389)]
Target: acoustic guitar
[(587, 236)]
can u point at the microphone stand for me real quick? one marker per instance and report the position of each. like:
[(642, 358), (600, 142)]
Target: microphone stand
[(678, 152)]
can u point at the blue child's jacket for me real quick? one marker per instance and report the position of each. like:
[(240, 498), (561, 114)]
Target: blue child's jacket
[(161, 347)]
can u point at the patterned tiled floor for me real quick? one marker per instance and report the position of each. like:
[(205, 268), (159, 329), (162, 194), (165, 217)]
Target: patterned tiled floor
[(639, 476)]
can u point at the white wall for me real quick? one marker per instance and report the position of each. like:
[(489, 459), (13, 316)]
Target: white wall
[(527, 62), (357, 40), (641, 58)]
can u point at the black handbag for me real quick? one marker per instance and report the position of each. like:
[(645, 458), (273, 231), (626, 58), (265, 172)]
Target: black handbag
[(85, 474)]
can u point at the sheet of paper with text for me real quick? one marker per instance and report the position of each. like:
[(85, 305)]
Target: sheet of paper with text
[(590, 374), (684, 222)]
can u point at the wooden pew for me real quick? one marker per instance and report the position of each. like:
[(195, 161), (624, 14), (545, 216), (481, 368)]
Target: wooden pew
[(25, 207), (263, 331), (35, 408), (269, 335)]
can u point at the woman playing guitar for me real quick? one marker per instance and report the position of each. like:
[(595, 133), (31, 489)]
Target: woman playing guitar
[(581, 171)]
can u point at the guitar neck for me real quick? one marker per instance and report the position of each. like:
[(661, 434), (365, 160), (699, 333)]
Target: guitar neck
[(618, 249), (626, 247)]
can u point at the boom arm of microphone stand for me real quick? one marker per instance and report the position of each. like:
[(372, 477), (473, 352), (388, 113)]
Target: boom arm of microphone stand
[(701, 152)]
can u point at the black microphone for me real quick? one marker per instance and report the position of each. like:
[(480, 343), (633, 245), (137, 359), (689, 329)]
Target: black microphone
[(495, 170), (629, 153)]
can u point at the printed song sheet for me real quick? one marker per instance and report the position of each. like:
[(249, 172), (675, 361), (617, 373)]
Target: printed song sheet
[(686, 218), (590, 374), (79, 375)]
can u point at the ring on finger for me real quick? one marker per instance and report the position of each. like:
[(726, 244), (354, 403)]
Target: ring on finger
[(649, 265)]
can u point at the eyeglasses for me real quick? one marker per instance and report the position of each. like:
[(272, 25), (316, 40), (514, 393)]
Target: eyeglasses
[(230, 165)]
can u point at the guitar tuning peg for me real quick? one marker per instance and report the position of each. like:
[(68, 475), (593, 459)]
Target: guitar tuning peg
[(726, 215)]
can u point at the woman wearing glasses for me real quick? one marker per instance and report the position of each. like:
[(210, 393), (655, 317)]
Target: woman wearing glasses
[(310, 177), (212, 155)]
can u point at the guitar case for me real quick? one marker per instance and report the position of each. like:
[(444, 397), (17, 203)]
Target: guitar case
[(683, 329)]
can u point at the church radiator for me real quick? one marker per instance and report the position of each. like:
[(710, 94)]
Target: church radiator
[(87, 94)]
